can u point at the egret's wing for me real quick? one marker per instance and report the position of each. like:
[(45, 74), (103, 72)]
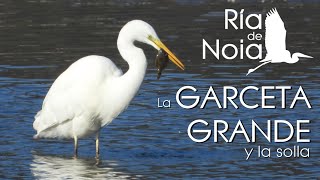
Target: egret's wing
[(75, 91), (275, 36)]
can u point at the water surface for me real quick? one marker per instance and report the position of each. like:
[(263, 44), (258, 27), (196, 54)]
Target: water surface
[(40, 39)]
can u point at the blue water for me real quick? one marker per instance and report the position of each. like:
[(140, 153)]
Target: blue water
[(40, 39)]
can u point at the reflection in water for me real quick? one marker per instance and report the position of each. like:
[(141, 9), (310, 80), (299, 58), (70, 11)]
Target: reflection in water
[(54, 167)]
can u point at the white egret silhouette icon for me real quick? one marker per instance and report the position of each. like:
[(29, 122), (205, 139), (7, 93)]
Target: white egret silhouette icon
[(275, 42)]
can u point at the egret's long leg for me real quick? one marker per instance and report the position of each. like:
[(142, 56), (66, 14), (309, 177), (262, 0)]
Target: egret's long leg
[(75, 146), (97, 145), (252, 70)]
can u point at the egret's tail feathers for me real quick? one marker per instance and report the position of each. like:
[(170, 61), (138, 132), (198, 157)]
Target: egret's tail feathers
[(36, 121), (41, 126), (53, 129), (45, 135), (39, 123), (36, 136)]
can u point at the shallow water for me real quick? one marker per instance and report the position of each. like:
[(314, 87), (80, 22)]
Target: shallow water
[(40, 39)]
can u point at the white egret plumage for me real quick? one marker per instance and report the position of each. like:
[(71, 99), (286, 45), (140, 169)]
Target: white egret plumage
[(93, 91), (275, 42)]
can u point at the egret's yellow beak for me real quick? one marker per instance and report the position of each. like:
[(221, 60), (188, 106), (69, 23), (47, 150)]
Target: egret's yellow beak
[(171, 56)]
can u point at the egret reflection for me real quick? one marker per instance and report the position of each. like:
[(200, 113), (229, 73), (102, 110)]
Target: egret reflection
[(55, 167)]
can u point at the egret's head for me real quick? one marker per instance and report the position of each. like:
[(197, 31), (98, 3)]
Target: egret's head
[(137, 30), (302, 55), (154, 40), (296, 56)]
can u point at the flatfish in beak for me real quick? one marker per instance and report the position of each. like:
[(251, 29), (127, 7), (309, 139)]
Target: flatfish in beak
[(161, 61)]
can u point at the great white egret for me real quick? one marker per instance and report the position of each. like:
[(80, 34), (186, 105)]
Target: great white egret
[(93, 91), (275, 42)]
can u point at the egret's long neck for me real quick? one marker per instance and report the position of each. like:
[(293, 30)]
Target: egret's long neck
[(127, 85), (136, 59)]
